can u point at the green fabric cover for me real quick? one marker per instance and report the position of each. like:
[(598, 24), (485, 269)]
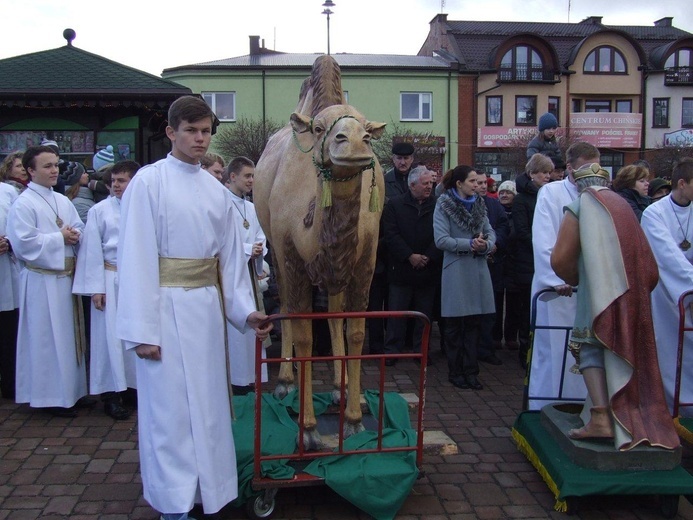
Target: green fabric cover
[(575, 481), (377, 483)]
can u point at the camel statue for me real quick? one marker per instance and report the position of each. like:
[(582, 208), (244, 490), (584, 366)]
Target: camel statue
[(319, 194)]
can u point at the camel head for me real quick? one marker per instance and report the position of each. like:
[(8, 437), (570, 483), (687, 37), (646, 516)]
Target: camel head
[(341, 140)]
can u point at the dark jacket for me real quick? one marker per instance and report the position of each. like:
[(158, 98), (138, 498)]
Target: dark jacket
[(523, 216), (394, 185), (548, 148), (636, 201), (509, 254), (408, 229), (499, 222)]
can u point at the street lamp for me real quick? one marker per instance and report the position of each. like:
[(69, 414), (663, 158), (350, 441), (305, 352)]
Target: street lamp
[(328, 12)]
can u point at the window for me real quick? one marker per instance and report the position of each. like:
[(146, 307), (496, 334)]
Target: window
[(415, 106), (687, 112), (522, 63), (494, 110), (680, 58), (223, 104), (660, 114), (525, 110), (555, 107), (346, 96), (577, 105), (624, 105), (605, 60), (597, 105)]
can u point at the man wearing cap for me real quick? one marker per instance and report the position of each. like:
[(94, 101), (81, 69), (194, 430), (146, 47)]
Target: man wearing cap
[(545, 142), (557, 308), (667, 226), (601, 246), (102, 161), (396, 178)]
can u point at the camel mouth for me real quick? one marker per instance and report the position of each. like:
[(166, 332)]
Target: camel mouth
[(361, 160)]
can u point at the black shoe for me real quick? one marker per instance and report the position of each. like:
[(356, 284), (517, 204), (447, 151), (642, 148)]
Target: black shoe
[(114, 409), (459, 382), (473, 382), (491, 360), (390, 362), (86, 402), (59, 411)]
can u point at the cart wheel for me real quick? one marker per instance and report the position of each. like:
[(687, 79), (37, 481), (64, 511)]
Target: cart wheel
[(259, 508), (571, 506), (668, 505)]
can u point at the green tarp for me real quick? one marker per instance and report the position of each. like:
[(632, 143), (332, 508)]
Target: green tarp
[(377, 483)]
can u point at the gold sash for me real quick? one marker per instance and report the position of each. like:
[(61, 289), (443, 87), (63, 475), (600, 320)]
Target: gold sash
[(77, 309), (192, 273), (110, 267)]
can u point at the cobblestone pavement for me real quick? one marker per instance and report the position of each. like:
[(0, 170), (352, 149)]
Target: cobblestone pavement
[(87, 467)]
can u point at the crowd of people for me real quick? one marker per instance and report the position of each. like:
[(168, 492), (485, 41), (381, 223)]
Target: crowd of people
[(121, 283)]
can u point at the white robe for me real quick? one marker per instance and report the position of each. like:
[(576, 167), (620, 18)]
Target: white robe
[(9, 266), (664, 233), (111, 367), (549, 346), (47, 370), (242, 345), (174, 209)]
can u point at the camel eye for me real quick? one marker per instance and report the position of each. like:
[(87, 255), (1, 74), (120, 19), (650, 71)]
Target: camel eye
[(319, 129)]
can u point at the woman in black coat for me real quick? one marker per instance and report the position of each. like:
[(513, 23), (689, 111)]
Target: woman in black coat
[(631, 183), (537, 172)]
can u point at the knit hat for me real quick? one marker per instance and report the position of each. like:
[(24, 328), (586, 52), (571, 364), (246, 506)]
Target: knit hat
[(48, 142), (103, 158), (657, 184), (547, 121), (73, 173), (508, 186)]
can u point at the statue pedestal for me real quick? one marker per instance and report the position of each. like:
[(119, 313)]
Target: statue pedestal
[(559, 418)]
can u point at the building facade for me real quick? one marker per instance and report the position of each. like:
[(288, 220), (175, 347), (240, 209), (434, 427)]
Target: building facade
[(626, 89)]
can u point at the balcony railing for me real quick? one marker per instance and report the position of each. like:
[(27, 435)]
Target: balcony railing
[(678, 76), (523, 73)]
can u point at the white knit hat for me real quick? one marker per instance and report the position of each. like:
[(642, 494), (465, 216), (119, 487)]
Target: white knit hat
[(103, 158), (508, 186)]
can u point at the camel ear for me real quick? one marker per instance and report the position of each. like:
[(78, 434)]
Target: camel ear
[(375, 128), (301, 123)]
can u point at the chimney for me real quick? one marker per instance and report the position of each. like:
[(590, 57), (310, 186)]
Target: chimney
[(664, 22), (594, 20), (254, 45)]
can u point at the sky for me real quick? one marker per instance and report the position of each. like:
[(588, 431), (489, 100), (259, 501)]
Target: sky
[(150, 35)]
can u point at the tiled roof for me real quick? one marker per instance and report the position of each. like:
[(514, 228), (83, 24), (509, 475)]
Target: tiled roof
[(288, 60), (69, 70), (477, 40)]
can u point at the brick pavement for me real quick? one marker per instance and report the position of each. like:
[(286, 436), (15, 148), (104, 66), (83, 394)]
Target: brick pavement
[(87, 467)]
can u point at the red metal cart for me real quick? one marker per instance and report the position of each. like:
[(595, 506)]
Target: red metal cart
[(683, 427), (262, 506)]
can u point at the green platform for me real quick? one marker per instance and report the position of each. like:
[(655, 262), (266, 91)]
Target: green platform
[(566, 479)]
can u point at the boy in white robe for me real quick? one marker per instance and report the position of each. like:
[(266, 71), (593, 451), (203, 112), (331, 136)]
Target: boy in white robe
[(111, 367), (44, 230), (667, 226), (556, 309), (239, 180), (176, 229)]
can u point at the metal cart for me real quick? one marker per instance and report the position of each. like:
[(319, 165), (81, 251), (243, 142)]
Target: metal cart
[(263, 505)]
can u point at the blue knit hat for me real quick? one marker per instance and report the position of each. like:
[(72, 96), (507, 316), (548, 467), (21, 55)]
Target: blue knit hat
[(103, 158), (547, 121)]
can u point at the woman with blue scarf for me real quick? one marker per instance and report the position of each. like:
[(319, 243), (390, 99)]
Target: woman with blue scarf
[(462, 230)]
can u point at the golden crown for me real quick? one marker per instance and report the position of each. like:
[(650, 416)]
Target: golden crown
[(591, 170)]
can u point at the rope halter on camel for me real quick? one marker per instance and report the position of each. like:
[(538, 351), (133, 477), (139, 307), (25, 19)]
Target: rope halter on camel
[(326, 171)]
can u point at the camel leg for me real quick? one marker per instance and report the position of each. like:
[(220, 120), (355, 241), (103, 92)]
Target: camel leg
[(336, 304), (285, 384), (355, 335), (303, 334)]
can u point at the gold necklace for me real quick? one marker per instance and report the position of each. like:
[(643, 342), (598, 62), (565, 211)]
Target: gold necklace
[(246, 224), (58, 220), (685, 245)]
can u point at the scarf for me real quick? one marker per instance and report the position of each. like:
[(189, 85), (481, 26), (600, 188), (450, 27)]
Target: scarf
[(454, 207)]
